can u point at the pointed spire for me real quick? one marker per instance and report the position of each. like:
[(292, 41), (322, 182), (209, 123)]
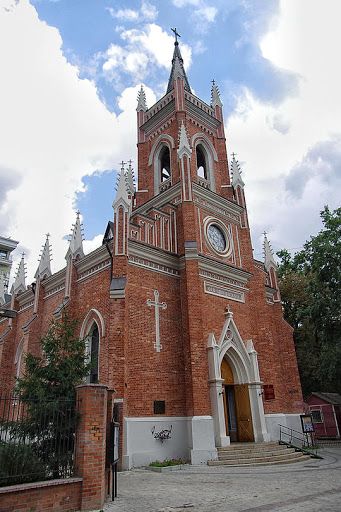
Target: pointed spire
[(141, 100), (122, 188), (269, 260), (236, 173), (76, 240), (19, 284), (44, 267), (2, 288), (215, 95), (178, 70), (184, 147), (130, 179)]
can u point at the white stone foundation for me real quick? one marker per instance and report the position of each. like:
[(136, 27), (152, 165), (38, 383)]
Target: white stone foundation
[(191, 439), (201, 437), (273, 421)]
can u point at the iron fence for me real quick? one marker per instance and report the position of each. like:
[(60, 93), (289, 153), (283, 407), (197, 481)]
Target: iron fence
[(37, 439)]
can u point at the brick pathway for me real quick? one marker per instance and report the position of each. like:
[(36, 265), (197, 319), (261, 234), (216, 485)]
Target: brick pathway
[(312, 486)]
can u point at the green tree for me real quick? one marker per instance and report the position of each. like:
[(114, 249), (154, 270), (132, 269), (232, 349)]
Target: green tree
[(310, 287), (62, 366), (48, 393)]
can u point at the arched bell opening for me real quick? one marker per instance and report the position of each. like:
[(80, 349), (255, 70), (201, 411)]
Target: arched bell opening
[(165, 171), (202, 167)]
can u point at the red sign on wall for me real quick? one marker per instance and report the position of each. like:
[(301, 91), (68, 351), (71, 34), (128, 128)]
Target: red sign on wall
[(269, 392)]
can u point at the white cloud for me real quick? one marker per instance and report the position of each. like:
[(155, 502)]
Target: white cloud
[(53, 130), (150, 46), (201, 13), (275, 142), (147, 12), (124, 14)]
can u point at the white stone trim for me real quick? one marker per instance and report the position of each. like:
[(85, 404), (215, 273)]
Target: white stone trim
[(244, 365), (92, 316), (207, 222)]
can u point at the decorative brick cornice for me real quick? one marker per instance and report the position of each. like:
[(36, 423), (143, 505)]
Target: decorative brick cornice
[(25, 299), (217, 204), (92, 263), (54, 283), (166, 198), (222, 272), (154, 259)]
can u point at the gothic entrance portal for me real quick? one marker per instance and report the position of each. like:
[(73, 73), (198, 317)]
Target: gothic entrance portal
[(237, 409)]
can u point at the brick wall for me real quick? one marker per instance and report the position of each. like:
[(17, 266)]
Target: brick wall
[(50, 496)]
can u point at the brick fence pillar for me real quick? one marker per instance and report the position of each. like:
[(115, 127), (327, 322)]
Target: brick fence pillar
[(91, 444)]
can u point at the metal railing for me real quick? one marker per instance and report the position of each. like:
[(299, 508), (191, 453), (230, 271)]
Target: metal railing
[(304, 442), (37, 439)]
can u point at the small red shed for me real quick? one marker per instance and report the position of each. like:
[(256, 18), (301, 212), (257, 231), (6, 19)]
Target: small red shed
[(325, 409)]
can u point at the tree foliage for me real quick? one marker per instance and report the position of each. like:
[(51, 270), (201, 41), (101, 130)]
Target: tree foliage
[(47, 392), (310, 290), (62, 365)]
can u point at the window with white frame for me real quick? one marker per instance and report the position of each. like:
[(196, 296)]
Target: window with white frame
[(316, 415)]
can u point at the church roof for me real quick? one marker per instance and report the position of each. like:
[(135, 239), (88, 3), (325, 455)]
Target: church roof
[(177, 70)]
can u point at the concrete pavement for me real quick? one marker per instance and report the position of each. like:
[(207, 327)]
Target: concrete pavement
[(313, 485)]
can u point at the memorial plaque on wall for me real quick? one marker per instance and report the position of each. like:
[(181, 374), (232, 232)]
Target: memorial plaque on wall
[(159, 407), (269, 392)]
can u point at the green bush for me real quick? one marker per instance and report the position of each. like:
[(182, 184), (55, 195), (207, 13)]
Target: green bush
[(19, 464), (167, 462)]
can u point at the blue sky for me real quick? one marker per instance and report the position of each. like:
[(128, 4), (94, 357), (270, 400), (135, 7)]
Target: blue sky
[(71, 71)]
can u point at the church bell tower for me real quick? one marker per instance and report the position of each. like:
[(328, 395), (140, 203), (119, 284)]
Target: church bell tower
[(197, 305)]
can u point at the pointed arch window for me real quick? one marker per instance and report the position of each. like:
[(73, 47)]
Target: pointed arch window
[(93, 353), (164, 164), (201, 162)]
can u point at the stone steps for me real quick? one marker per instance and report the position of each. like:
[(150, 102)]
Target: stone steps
[(256, 454)]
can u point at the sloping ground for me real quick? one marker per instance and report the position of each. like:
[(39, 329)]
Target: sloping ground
[(257, 454)]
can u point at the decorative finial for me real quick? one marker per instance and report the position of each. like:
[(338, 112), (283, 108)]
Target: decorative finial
[(184, 147), (122, 190), (228, 312), (76, 240), (130, 178), (176, 34), (269, 260), (19, 284), (44, 267), (236, 173), (141, 100), (215, 95)]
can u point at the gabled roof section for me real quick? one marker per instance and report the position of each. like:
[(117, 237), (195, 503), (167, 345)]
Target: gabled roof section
[(109, 232), (330, 398), (178, 70)]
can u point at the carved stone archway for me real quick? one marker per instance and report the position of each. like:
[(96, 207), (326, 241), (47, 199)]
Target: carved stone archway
[(244, 364)]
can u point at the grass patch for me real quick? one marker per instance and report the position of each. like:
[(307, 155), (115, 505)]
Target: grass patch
[(167, 462)]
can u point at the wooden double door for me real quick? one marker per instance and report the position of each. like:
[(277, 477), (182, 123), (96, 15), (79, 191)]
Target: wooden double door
[(238, 418)]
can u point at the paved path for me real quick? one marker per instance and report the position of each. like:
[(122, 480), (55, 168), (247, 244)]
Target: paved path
[(312, 486)]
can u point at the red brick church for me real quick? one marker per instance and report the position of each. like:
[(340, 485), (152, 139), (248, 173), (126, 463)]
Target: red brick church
[(179, 317)]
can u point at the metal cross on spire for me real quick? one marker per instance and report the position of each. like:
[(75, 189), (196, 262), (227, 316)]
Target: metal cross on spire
[(176, 34)]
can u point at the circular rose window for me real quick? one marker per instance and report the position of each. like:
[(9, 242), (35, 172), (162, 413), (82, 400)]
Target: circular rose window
[(217, 237)]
